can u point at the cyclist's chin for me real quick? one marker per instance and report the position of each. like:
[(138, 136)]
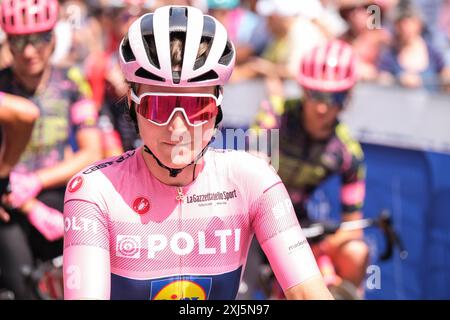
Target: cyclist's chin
[(33, 68), (176, 156)]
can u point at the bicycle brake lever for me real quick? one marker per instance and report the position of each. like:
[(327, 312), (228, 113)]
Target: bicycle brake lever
[(392, 239)]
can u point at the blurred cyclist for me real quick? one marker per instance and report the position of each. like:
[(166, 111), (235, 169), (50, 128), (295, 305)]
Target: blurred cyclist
[(173, 220), (64, 139), (17, 116), (314, 145)]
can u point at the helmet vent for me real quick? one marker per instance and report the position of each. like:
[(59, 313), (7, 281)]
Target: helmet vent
[(210, 75), (209, 30), (227, 54), (127, 53), (142, 73), (148, 38)]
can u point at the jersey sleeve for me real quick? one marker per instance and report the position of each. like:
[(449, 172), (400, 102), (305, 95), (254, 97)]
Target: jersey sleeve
[(86, 242), (273, 219), (281, 238)]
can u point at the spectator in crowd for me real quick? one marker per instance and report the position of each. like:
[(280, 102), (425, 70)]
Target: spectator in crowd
[(246, 29), (294, 30), (201, 4), (365, 33), (77, 34), (411, 60)]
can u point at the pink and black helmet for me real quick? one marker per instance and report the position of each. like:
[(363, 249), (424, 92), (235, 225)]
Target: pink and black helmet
[(139, 65), (329, 68), (28, 16)]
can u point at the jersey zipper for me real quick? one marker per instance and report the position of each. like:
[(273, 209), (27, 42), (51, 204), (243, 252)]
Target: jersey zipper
[(180, 198)]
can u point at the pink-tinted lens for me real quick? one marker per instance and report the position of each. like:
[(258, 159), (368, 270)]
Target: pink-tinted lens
[(159, 108)]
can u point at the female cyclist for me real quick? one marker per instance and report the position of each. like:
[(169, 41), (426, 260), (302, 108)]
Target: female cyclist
[(170, 220)]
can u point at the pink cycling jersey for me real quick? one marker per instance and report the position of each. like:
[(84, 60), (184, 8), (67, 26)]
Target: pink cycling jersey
[(129, 236)]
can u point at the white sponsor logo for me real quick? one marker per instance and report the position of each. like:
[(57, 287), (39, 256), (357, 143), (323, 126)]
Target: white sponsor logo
[(282, 209), (80, 224), (128, 246), (181, 243)]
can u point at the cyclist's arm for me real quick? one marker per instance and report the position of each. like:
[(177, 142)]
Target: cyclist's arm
[(90, 150), (312, 289), (88, 140), (279, 233), (86, 249), (353, 174), (17, 116)]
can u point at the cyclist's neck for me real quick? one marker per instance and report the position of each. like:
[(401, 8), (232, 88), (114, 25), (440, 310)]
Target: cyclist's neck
[(34, 83), (184, 178)]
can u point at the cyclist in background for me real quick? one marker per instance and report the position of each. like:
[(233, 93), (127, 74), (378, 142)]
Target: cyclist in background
[(314, 145), (17, 116), (172, 219), (64, 139)]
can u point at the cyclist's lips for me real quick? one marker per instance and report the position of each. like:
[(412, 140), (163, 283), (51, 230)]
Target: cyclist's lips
[(177, 144), (33, 62)]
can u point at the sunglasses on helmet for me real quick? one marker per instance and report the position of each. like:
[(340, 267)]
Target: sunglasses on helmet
[(159, 108)]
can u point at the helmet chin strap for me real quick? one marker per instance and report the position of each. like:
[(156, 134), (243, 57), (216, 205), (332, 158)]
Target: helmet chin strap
[(175, 172)]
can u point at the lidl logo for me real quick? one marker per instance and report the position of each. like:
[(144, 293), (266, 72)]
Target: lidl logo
[(186, 288)]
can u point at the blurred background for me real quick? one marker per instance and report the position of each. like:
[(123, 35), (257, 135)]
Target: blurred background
[(400, 110)]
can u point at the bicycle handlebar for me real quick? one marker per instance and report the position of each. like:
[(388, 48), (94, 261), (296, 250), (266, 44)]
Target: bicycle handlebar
[(383, 221)]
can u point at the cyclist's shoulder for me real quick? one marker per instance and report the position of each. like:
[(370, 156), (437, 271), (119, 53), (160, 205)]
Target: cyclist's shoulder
[(349, 143), (95, 183), (238, 163), (115, 165), (230, 156), (70, 78), (293, 104), (284, 105)]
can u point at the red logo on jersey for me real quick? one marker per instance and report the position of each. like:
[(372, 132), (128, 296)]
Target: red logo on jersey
[(75, 184), (141, 205)]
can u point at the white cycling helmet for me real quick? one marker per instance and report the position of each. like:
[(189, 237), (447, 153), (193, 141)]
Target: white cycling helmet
[(139, 65)]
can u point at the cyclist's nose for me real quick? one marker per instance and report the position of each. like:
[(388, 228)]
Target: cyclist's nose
[(29, 50), (321, 108), (178, 122)]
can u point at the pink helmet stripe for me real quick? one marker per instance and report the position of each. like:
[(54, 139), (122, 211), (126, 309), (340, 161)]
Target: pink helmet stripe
[(330, 67), (28, 16)]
